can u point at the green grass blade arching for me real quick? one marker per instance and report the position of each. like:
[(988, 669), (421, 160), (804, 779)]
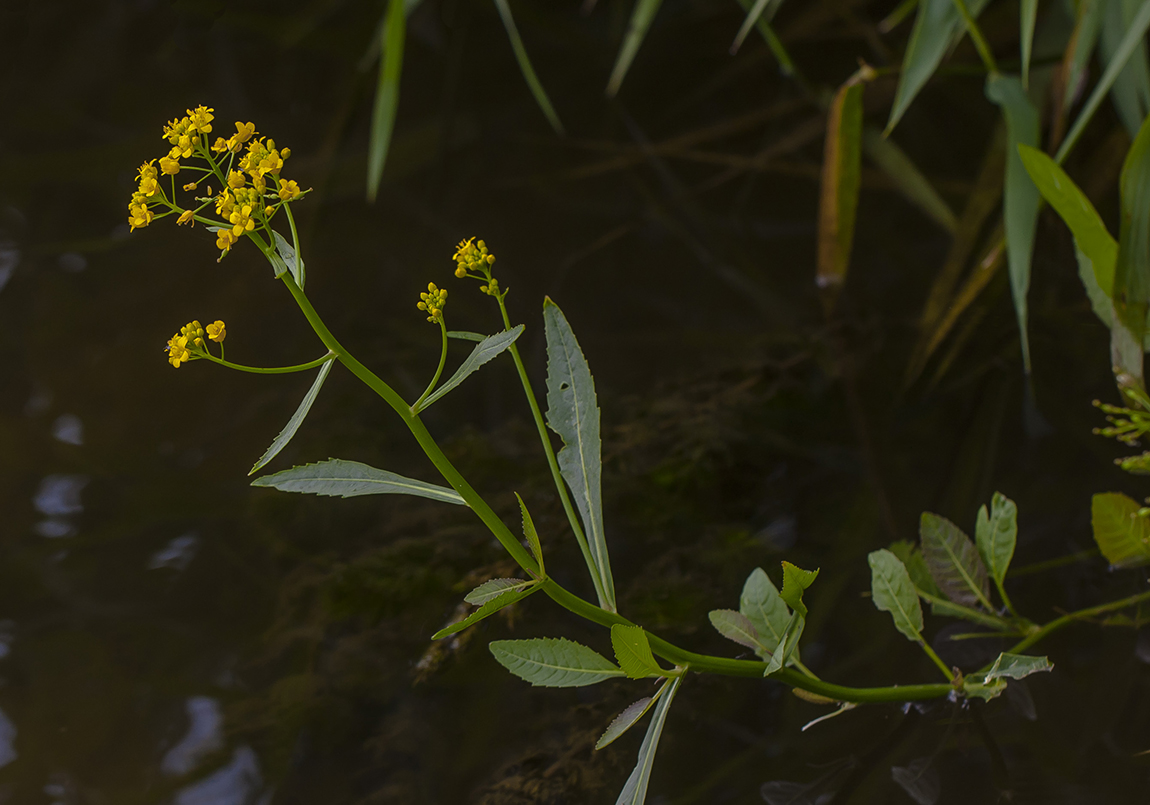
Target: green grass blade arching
[(1134, 37), (573, 413), (1020, 196), (525, 67), (635, 789), (937, 27), (386, 94), (762, 10), (484, 351), (553, 662), (347, 479), (892, 591), (296, 420), (786, 64), (641, 17)]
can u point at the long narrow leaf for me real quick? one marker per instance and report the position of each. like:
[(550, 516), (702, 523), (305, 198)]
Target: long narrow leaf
[(386, 95), (348, 479), (573, 413), (755, 14), (1131, 90), (641, 17), (1021, 199), (1028, 16), (627, 719), (484, 351), (526, 68), (635, 789), (296, 420), (786, 64), (493, 588), (1132, 271), (839, 190), (1134, 37), (911, 182)]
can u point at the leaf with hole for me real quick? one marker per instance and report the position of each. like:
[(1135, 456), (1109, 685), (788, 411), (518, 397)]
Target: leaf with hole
[(635, 789), (553, 662), (633, 652), (1121, 531), (348, 479), (484, 351), (1017, 666), (296, 420), (892, 591), (953, 561)]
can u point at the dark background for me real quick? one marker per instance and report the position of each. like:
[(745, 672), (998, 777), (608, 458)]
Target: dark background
[(153, 604)]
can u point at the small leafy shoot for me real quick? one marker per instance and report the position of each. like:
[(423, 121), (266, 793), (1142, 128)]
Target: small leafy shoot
[(492, 606), (532, 536), (633, 652)]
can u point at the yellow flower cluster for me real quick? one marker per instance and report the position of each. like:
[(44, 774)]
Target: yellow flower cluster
[(188, 343), (433, 302), (246, 202), (472, 259)]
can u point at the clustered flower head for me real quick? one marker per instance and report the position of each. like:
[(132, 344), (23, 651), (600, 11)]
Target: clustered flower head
[(248, 167), (472, 259), (432, 302), (188, 343)]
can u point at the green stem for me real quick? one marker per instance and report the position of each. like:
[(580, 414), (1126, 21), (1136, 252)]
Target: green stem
[(980, 43), (925, 646), (438, 371), (1089, 612), (273, 370), (966, 613), (552, 462)]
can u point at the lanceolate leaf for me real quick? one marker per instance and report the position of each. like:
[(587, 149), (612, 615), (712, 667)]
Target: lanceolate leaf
[(290, 259), (839, 190), (553, 662), (953, 561), (625, 720), (296, 419), (786, 65), (1017, 666), (893, 592), (1027, 17), (755, 14), (532, 535), (493, 589), (573, 413), (635, 790), (492, 606), (1020, 200), (1131, 90), (641, 17), (464, 335), (1132, 271), (911, 182), (736, 626), (795, 581), (762, 605), (386, 94), (633, 652), (996, 533), (348, 479), (526, 68), (936, 28), (1122, 534), (484, 351)]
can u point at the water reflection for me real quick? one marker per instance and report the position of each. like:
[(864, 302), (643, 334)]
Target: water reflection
[(59, 497), (68, 429), (238, 783), (203, 737), (177, 553), (7, 740), (9, 259)]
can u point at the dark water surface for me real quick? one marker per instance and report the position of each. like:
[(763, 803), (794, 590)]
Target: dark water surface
[(169, 634)]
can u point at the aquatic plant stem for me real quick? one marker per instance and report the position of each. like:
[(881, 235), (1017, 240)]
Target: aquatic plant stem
[(1070, 617), (272, 370), (948, 673)]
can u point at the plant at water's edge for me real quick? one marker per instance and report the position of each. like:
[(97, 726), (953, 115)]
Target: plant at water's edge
[(948, 570)]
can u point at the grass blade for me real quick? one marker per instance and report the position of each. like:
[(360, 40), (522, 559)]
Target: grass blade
[(635, 789), (1132, 271), (386, 94), (786, 65), (1135, 34), (754, 14), (1028, 16), (296, 420), (349, 479), (1131, 90), (911, 182), (641, 17), (1020, 196), (484, 351), (525, 67)]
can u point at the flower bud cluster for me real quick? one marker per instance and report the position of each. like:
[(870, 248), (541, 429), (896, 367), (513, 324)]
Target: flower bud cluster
[(432, 302), (472, 259), (188, 343)]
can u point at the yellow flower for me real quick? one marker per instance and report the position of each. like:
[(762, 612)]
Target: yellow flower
[(139, 216), (269, 211), (182, 147), (288, 190), (190, 186), (174, 130), (221, 145), (177, 350), (242, 221), (235, 179), (148, 170), (258, 184), (473, 257), (225, 239), (201, 119), (185, 217), (216, 331), (224, 203), (169, 166), (148, 186), (244, 132)]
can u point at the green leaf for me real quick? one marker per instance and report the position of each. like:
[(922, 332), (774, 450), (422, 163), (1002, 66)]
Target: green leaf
[(786, 65), (788, 645), (296, 420), (839, 188), (937, 27), (635, 789), (762, 605), (463, 335), (573, 413), (641, 17), (1087, 27), (484, 351), (1132, 271), (1132, 40), (552, 662), (1090, 234), (386, 94), (486, 611), (348, 479), (892, 591), (736, 626), (971, 687), (1121, 531), (633, 652), (953, 561), (532, 535), (287, 256), (1131, 90), (996, 534), (795, 581), (1020, 196), (1017, 666), (625, 720), (911, 556), (526, 68), (1028, 16), (911, 182), (755, 15), (493, 588)]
